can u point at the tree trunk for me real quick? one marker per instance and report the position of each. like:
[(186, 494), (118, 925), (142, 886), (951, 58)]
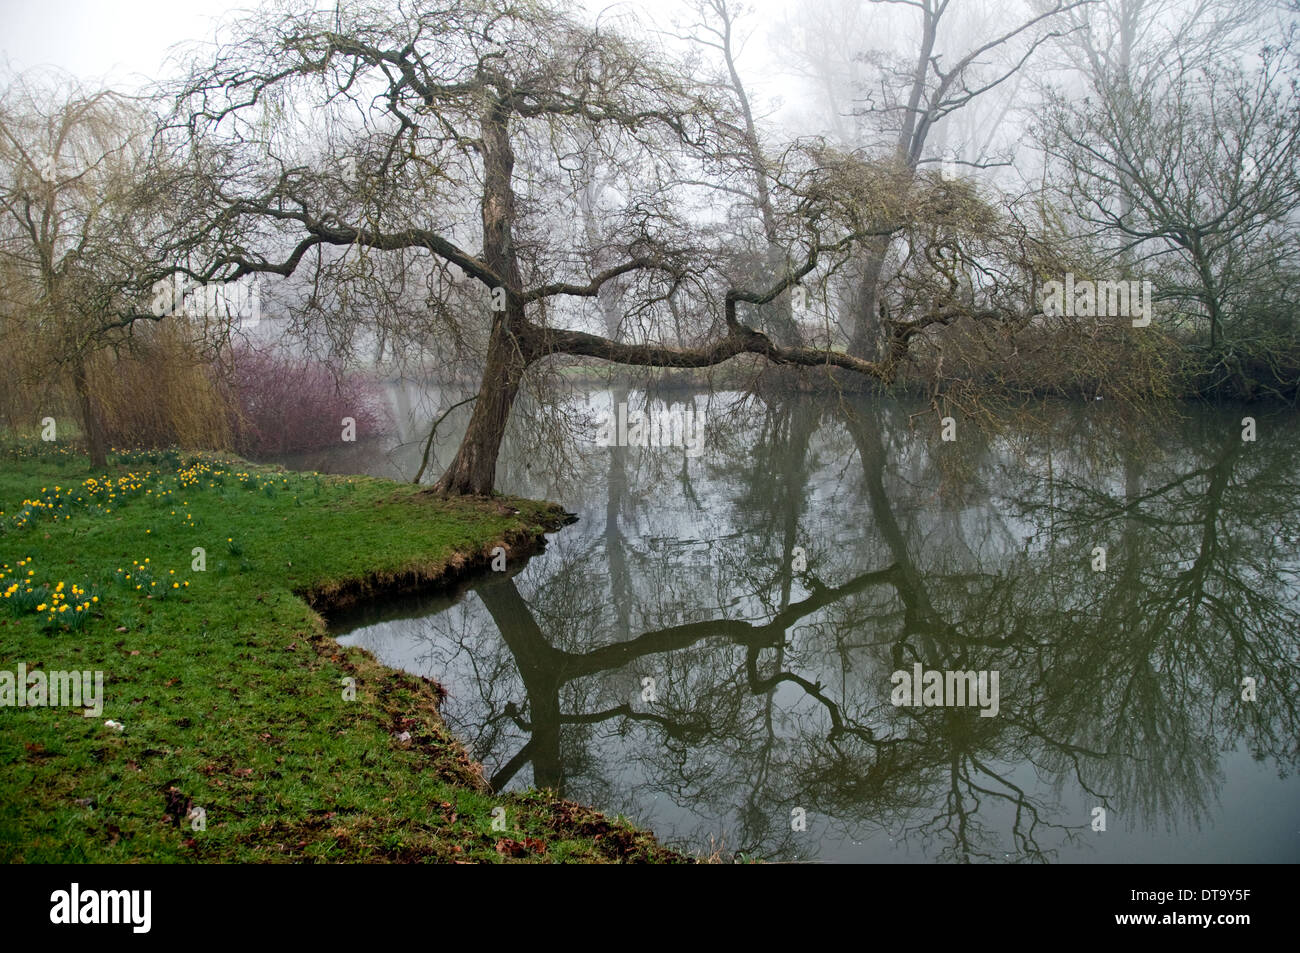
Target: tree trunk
[(89, 420), (866, 323), (473, 471), (918, 120), (777, 317)]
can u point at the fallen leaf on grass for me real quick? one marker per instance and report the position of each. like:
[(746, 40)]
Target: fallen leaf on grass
[(511, 848)]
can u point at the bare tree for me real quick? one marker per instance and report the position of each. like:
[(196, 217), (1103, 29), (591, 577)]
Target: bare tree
[(1197, 175), (716, 27), (914, 97), (434, 107)]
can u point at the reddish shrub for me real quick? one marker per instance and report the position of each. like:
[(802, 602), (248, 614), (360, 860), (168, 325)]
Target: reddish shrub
[(287, 405)]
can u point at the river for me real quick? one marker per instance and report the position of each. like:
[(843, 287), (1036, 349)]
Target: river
[(731, 644)]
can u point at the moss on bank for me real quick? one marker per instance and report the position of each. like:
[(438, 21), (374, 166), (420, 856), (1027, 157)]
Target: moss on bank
[(229, 695)]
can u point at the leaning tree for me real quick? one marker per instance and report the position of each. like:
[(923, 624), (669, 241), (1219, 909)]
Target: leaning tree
[(464, 133)]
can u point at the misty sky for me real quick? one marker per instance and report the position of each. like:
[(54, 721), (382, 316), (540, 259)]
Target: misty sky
[(115, 40), (110, 40), (125, 43)]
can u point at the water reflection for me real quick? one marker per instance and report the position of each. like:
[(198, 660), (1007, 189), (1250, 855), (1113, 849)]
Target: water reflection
[(770, 587)]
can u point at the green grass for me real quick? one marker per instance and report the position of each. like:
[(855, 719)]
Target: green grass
[(230, 694)]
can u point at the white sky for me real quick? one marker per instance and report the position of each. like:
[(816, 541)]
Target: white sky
[(120, 42), (124, 43)]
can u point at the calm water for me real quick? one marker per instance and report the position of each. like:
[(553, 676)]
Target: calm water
[(771, 585)]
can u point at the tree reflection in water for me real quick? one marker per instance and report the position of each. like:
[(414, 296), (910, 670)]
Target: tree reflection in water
[(1119, 689)]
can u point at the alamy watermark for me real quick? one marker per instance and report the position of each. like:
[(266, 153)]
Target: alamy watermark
[(940, 689), (75, 905), (39, 689), (656, 428), (182, 297), (1099, 299)]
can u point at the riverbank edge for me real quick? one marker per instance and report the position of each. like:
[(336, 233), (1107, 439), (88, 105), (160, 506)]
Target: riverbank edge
[(457, 572), (541, 827)]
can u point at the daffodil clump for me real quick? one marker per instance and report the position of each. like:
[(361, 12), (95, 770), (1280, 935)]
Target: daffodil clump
[(20, 591), (101, 495), (97, 495), (140, 579), (60, 605)]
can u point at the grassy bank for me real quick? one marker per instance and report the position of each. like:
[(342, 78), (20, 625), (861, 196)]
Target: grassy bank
[(224, 690)]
